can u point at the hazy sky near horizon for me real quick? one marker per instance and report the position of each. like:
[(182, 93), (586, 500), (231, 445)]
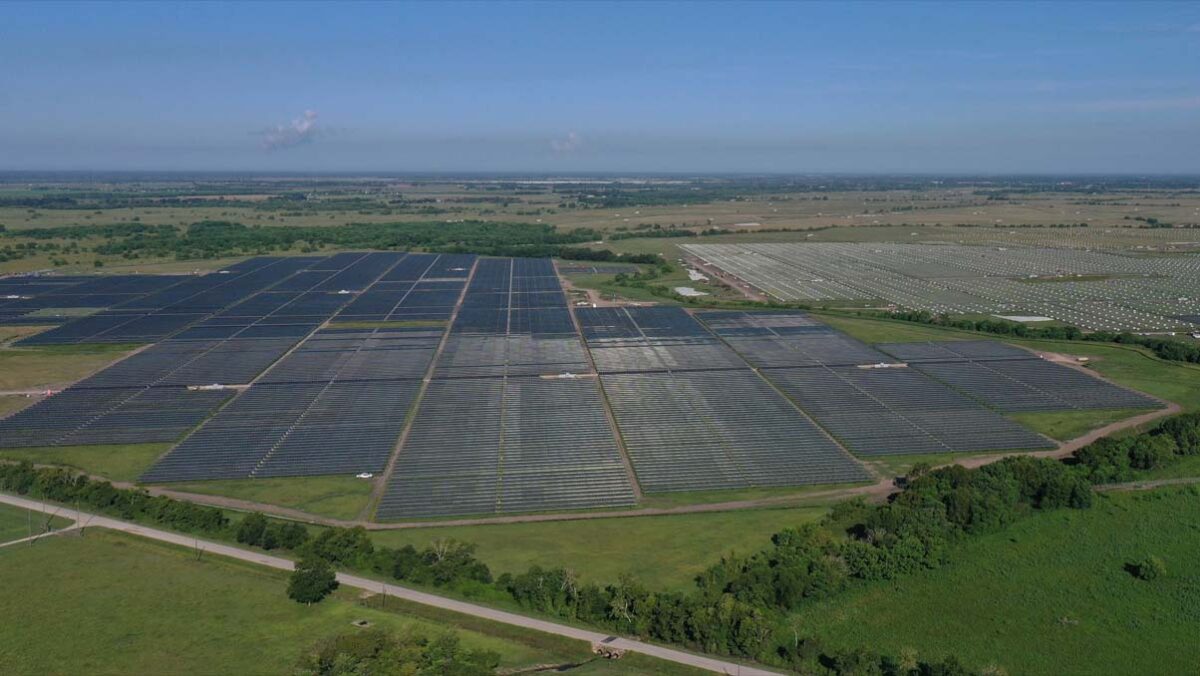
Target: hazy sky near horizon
[(576, 87)]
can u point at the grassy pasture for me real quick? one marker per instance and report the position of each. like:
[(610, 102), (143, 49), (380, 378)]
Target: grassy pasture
[(1049, 595), (15, 522), (122, 462), (663, 552), (135, 606)]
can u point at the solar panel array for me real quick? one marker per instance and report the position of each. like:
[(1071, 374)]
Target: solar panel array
[(422, 288), (784, 339), (1098, 290), (155, 316), (492, 435), (693, 416), (496, 445), (636, 340), (1011, 379), (515, 414), (38, 299), (700, 430), (336, 404), (899, 411), (144, 397)]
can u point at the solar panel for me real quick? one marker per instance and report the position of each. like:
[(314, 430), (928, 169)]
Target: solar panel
[(720, 429)]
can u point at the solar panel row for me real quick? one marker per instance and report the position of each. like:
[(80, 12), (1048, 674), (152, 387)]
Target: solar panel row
[(774, 340), (626, 340), (122, 415), (495, 445), (1012, 379), (899, 411), (40, 299), (720, 429), (158, 315), (294, 429)]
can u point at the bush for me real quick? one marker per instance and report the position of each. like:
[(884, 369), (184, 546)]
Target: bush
[(1148, 568), (374, 651)]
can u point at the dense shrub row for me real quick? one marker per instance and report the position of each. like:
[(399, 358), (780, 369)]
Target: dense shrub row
[(1109, 460), (65, 486)]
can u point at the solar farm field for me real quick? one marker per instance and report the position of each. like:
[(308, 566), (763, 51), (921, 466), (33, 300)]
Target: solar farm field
[(461, 386), (1091, 289)]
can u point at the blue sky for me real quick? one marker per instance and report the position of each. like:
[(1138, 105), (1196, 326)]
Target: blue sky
[(577, 87)]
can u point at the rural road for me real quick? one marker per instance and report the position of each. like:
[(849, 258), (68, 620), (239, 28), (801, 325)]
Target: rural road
[(631, 645)]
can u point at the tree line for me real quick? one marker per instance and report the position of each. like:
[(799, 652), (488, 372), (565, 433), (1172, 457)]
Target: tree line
[(1164, 348), (219, 239)]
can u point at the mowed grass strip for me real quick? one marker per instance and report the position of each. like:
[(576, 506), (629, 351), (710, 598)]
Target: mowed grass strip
[(1048, 595), (110, 603), (662, 552), (338, 497)]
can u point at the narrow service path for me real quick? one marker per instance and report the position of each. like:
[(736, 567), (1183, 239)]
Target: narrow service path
[(631, 645), (39, 536)]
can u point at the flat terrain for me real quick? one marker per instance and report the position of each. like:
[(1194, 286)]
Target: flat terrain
[(662, 552), (337, 497), (1064, 425), (1048, 595), (124, 462), (15, 522), (110, 603)]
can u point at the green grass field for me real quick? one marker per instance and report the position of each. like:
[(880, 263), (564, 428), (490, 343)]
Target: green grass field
[(110, 603), (15, 523), (1049, 595), (338, 497), (117, 463), (57, 366), (663, 552), (1064, 425)]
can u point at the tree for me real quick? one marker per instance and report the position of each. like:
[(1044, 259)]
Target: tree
[(1148, 568), (312, 580)]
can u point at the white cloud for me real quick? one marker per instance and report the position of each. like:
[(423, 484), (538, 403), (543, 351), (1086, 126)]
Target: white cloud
[(301, 130), (570, 144)]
